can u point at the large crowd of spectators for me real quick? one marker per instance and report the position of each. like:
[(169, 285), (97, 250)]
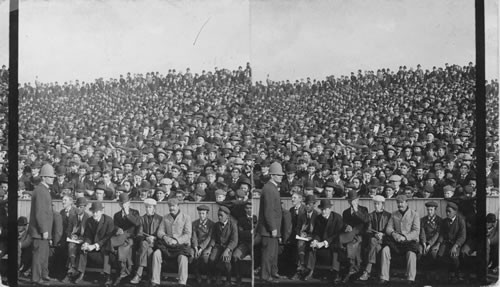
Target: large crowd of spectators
[(4, 93), (387, 132)]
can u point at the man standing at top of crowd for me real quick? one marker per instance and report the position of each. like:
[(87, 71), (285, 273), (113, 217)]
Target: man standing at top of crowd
[(40, 228), (269, 224)]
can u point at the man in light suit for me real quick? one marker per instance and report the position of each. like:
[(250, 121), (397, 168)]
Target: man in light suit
[(402, 236), (174, 240), (146, 236), (269, 224), (40, 227)]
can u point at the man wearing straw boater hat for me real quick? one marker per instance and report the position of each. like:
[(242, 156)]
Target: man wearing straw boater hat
[(146, 236), (269, 224)]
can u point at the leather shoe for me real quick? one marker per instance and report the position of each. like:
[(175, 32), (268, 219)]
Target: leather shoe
[(308, 276), (108, 282), (79, 278), (43, 283), (296, 277), (135, 280), (271, 281), (382, 281), (66, 279), (337, 279), (118, 280), (280, 277)]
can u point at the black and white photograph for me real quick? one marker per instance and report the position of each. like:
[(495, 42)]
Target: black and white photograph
[(252, 143), (135, 143), (369, 117)]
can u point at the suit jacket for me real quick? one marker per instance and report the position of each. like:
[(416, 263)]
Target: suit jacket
[(305, 225), (407, 224), (359, 219), (202, 234), (65, 218), (295, 216), (453, 233), (429, 233), (152, 228), (179, 228), (270, 210), (286, 225), (378, 225), (57, 229), (129, 223), (99, 232), (41, 214), (226, 236), (328, 229), (74, 228)]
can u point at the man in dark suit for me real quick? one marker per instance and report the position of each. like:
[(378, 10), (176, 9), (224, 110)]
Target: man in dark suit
[(356, 220), (378, 220), (451, 238), (305, 229), (224, 241), (96, 241), (55, 244), (62, 250), (245, 227), (75, 230), (430, 226), (297, 208), (146, 235), (127, 222), (202, 234), (40, 227), (269, 224), (326, 233)]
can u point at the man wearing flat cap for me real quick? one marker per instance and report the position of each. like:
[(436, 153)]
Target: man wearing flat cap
[(269, 224), (355, 220), (222, 244), (96, 241), (305, 229), (430, 226), (379, 219), (452, 236), (202, 234), (146, 236), (402, 235), (173, 241), (75, 231)]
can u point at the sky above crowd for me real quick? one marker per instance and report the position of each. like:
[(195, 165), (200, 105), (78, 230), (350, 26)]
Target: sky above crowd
[(4, 32), (68, 40)]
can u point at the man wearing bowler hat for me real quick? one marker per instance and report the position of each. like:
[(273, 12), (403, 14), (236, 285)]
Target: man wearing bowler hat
[(75, 231), (146, 236), (202, 234), (327, 228), (96, 241), (269, 224), (402, 235), (173, 241), (356, 220), (40, 227), (379, 219), (127, 222)]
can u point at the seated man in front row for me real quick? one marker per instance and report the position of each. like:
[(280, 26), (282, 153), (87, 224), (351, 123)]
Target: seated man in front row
[(146, 237), (202, 234), (173, 241), (245, 226), (224, 241), (327, 228), (379, 219), (402, 235), (96, 240)]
